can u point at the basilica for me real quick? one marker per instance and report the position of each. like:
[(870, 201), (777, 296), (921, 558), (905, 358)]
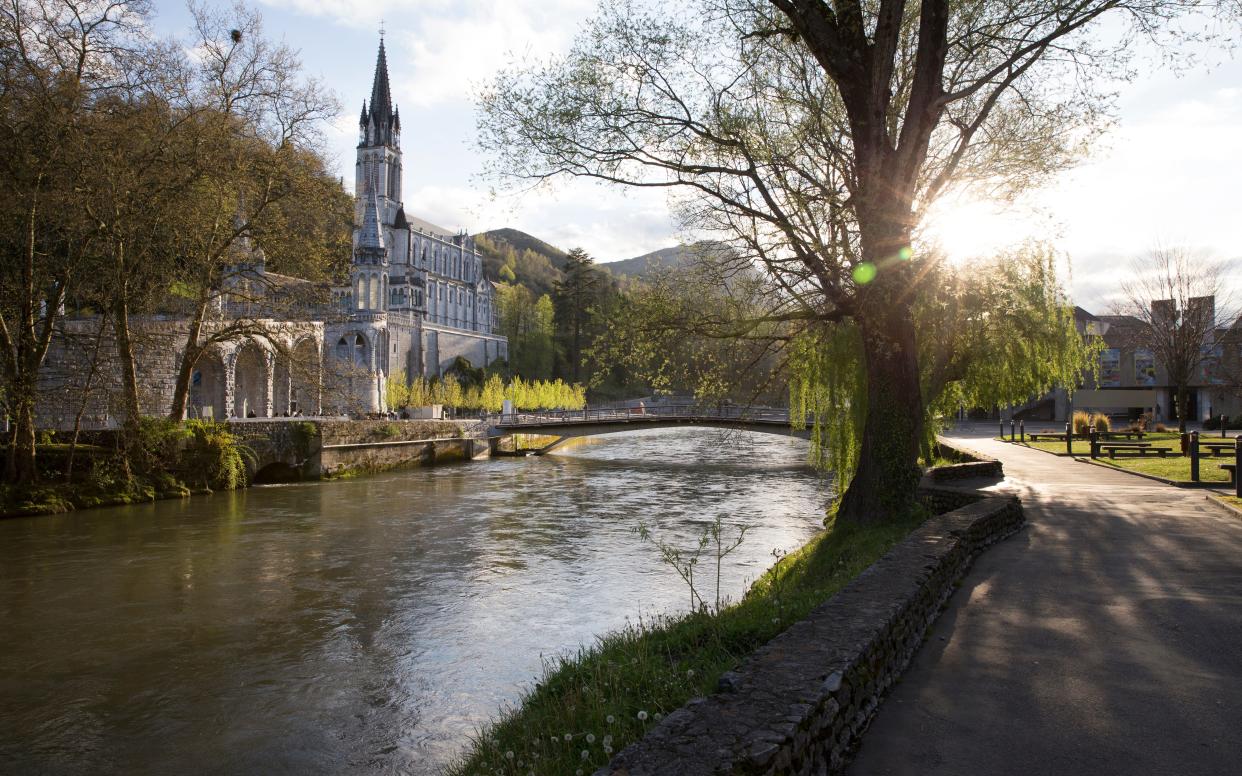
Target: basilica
[(416, 302), (417, 298)]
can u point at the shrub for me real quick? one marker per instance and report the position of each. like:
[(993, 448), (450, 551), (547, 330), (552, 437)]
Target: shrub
[(1161, 428), (214, 458), (1083, 421)]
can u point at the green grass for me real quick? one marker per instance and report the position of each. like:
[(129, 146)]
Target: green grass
[(590, 705), (1083, 447), (1174, 468)]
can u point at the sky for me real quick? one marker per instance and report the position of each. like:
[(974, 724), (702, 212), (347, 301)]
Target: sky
[(1169, 173)]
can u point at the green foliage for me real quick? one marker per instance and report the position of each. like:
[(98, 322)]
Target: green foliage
[(528, 323), (827, 388), (397, 390), (215, 458), (989, 333), (607, 696)]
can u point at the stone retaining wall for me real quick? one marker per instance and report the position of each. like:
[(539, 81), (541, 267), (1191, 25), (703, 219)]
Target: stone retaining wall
[(970, 464), (799, 704)]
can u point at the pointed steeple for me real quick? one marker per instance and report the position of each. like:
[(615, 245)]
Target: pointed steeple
[(381, 94), (372, 234), (362, 120)]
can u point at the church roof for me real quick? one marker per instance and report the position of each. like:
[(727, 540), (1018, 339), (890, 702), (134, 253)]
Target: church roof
[(426, 227)]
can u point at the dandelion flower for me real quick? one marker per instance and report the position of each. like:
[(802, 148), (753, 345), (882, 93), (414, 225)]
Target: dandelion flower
[(611, 719), (509, 755), (569, 736), (690, 674), (642, 716), (608, 750), (590, 738), (657, 716), (585, 754)]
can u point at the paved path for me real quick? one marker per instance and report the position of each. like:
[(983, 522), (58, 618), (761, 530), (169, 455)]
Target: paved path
[(1105, 638)]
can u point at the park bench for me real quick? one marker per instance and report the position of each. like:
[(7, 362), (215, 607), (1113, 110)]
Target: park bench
[(1140, 448), (1121, 434), (1046, 437), (1231, 468), (1218, 448)]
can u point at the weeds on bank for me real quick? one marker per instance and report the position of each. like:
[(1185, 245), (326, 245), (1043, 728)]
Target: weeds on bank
[(589, 705)]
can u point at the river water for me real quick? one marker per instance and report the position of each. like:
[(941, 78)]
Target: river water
[(361, 626)]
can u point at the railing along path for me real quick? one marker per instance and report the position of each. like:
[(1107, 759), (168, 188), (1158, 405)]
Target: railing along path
[(689, 412)]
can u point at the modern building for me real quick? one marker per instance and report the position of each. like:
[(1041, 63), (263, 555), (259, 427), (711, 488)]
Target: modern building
[(1131, 380)]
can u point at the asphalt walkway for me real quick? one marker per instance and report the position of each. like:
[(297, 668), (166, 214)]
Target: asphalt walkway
[(1104, 638)]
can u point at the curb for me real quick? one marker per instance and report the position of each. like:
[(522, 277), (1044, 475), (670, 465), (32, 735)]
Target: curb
[(1174, 483), (1225, 505)]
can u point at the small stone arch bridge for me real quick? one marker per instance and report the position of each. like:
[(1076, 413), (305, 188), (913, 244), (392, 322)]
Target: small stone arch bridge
[(568, 424)]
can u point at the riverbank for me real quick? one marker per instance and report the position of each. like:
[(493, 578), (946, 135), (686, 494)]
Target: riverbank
[(591, 705), (174, 461)]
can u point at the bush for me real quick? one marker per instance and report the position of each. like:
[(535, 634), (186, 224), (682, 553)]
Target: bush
[(1083, 421), (214, 457)]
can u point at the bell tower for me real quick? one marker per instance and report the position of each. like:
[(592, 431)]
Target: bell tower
[(378, 169)]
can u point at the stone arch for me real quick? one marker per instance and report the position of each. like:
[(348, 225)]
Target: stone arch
[(306, 378), (251, 381), (208, 387)]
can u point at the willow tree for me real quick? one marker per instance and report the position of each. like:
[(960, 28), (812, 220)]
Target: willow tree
[(812, 136)]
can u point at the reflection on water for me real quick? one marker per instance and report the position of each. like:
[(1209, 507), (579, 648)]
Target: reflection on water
[(365, 625)]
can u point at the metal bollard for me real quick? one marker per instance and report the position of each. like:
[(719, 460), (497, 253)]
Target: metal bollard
[(1194, 456), (1237, 466), (1022, 431), (1069, 438), (1224, 422), (1094, 438), (1002, 426), (1012, 425)]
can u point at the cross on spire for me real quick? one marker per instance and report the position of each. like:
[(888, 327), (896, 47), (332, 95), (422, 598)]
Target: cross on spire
[(381, 29)]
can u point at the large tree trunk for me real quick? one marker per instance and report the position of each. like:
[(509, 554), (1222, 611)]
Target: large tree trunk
[(1183, 407), (885, 485), (20, 468)]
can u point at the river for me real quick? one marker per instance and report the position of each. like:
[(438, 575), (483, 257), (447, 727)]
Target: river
[(357, 626)]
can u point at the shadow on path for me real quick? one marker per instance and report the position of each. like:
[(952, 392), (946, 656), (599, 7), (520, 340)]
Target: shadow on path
[(1104, 638)]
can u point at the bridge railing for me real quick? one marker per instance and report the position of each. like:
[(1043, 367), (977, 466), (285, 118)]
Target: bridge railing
[(651, 413)]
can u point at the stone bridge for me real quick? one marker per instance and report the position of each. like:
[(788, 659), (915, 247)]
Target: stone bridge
[(567, 424)]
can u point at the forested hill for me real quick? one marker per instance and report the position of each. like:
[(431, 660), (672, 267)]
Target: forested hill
[(536, 264), (649, 263), (516, 257)]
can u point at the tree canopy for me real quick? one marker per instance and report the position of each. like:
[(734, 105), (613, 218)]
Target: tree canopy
[(811, 137)]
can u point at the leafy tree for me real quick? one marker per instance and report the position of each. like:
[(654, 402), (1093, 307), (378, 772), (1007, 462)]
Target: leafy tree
[(576, 299), (813, 136), (61, 61), (528, 323), (397, 390)]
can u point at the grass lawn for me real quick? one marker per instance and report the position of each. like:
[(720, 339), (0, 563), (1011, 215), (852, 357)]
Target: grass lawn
[(590, 705), (1174, 468), (1083, 446)]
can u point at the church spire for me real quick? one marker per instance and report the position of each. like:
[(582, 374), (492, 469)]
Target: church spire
[(381, 93)]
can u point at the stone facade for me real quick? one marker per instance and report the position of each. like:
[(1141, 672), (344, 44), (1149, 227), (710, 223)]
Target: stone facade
[(800, 704)]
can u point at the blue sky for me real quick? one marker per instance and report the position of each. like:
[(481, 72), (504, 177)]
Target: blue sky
[(1170, 172)]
